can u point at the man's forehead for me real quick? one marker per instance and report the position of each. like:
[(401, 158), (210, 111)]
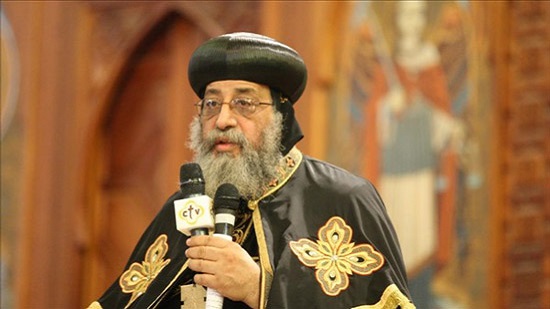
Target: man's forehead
[(241, 86)]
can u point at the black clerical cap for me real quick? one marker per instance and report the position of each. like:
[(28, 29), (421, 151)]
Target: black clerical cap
[(251, 57)]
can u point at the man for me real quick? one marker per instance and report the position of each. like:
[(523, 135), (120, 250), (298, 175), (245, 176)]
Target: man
[(310, 236)]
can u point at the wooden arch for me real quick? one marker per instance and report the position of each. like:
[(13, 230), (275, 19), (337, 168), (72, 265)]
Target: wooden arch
[(138, 135)]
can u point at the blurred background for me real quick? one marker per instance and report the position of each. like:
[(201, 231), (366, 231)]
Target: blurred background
[(444, 106)]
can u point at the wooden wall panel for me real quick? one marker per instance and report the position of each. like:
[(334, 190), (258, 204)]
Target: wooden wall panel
[(527, 214), (106, 111), (48, 255), (522, 83)]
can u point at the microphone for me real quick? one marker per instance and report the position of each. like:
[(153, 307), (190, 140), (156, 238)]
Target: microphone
[(226, 204), (194, 211)]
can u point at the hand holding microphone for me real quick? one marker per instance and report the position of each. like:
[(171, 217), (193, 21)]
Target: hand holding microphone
[(223, 265)]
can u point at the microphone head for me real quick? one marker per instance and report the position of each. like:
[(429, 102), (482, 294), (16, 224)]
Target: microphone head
[(191, 180), (227, 199)]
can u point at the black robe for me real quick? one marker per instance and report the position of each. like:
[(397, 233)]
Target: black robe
[(321, 236)]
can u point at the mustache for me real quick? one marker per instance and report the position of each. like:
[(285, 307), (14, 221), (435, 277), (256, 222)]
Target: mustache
[(229, 136)]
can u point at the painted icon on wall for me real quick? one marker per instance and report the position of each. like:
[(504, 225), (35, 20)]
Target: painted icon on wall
[(403, 102)]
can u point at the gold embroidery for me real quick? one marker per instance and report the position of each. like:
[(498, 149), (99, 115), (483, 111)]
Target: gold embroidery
[(266, 277), (391, 298), (285, 172), (286, 168), (273, 183), (290, 161), (138, 277), (242, 227), (95, 305), (335, 257)]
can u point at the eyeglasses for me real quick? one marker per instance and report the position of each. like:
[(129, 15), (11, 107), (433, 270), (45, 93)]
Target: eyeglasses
[(209, 108)]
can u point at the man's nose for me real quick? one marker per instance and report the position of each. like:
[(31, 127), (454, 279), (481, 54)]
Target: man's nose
[(226, 118)]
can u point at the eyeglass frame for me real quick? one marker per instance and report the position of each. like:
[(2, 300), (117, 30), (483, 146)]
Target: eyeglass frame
[(254, 104)]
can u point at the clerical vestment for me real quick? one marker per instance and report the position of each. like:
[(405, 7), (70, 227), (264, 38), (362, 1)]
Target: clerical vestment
[(320, 235)]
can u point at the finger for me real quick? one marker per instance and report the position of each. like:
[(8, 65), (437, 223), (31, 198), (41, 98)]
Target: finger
[(206, 280), (202, 266), (210, 241), (199, 252), (205, 253), (201, 240)]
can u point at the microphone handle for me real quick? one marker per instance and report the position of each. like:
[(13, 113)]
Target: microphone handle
[(214, 300), (224, 229), (199, 231)]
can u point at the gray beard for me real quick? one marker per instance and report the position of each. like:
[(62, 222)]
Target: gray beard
[(251, 171)]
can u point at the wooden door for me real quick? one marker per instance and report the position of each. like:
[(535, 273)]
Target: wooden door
[(142, 128), (140, 145)]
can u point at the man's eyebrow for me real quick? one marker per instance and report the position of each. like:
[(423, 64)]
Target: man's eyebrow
[(245, 90), (212, 91), (239, 90)]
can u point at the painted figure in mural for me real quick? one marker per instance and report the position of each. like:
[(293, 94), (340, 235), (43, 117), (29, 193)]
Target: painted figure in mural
[(308, 234), (415, 132), (409, 80), (414, 127)]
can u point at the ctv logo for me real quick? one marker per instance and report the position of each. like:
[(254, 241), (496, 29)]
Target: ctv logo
[(191, 212)]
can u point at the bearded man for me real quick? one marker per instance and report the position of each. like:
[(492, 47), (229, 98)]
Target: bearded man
[(311, 235)]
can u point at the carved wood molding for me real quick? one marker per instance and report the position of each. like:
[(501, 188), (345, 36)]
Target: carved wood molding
[(526, 151), (120, 27)]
